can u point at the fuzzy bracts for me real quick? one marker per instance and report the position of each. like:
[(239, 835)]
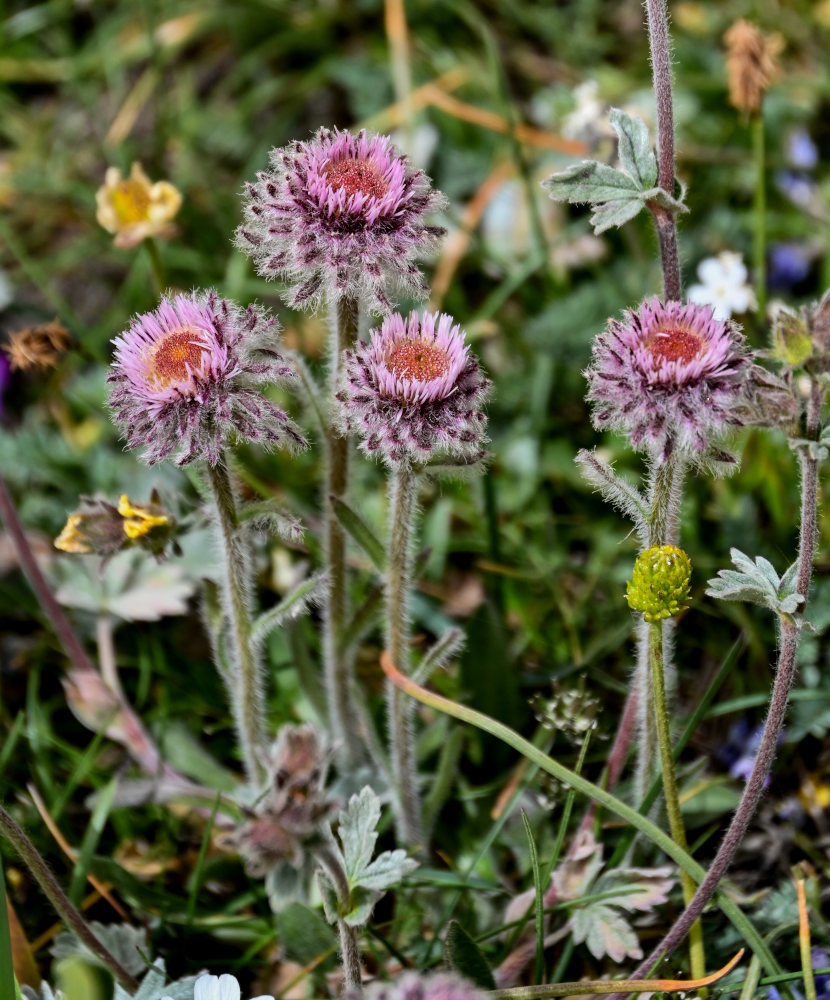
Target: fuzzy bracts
[(341, 215), (185, 379), (672, 377), (414, 392)]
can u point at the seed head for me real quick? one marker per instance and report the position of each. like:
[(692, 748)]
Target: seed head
[(751, 64), (659, 585)]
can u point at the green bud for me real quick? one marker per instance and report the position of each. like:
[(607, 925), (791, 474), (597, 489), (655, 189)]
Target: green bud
[(659, 585)]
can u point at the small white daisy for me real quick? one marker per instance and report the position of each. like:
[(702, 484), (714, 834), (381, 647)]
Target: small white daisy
[(723, 285), (218, 988)]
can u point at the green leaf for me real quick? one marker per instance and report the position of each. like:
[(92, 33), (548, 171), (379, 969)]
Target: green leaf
[(125, 943), (605, 931), (357, 831), (362, 903), (7, 980), (303, 934), (291, 606), (184, 752), (360, 531), (591, 182), (386, 870), (664, 199), (614, 213), (93, 833), (636, 155), (268, 515), (538, 901), (756, 583), (466, 958)]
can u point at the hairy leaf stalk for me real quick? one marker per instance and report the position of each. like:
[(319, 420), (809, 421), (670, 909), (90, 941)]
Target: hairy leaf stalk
[(658, 37), (697, 954), (338, 659), (60, 901), (785, 674), (400, 708), (349, 950), (245, 681)]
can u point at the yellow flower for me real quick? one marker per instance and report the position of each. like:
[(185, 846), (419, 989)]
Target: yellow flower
[(134, 208), (659, 585), (71, 539), (138, 521)]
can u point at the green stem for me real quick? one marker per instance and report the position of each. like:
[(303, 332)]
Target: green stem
[(156, 264), (760, 207), (245, 688), (338, 660), (697, 954), (403, 488), (60, 901)]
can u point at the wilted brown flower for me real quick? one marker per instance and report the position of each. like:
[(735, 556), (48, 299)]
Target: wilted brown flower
[(751, 64), (103, 529), (37, 346)]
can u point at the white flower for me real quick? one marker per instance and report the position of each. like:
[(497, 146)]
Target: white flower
[(218, 988), (723, 285), (590, 115)]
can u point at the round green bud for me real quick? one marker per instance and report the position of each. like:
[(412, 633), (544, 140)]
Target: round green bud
[(659, 585)]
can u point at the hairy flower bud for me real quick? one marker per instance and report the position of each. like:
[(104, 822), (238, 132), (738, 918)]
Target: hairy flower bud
[(659, 585)]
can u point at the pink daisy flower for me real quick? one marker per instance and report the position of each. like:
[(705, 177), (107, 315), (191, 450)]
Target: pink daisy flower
[(340, 215), (414, 391), (672, 377), (185, 379)]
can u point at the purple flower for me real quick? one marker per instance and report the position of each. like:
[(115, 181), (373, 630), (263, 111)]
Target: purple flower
[(340, 215), (789, 264), (802, 152), (801, 189), (414, 391), (437, 986), (672, 377), (186, 378)]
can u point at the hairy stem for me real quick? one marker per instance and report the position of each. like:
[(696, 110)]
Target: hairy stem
[(678, 831), (403, 487), (350, 952), (658, 37), (59, 900), (338, 661), (784, 676), (245, 681), (665, 485), (137, 740)]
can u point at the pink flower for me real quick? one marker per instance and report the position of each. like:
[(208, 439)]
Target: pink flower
[(435, 986), (413, 392), (186, 379), (340, 215), (672, 377)]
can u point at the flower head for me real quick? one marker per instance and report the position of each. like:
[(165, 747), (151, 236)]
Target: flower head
[(339, 215), (436, 986), (134, 208), (751, 64), (102, 528), (414, 391), (659, 585), (186, 378), (723, 285), (670, 376), (37, 346)]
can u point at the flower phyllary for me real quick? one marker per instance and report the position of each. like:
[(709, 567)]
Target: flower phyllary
[(341, 215), (188, 377), (414, 392), (659, 585), (134, 208), (672, 377)]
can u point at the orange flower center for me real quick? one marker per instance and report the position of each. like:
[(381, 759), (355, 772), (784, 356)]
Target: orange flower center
[(417, 360), (356, 175), (675, 345), (173, 355), (130, 199)]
